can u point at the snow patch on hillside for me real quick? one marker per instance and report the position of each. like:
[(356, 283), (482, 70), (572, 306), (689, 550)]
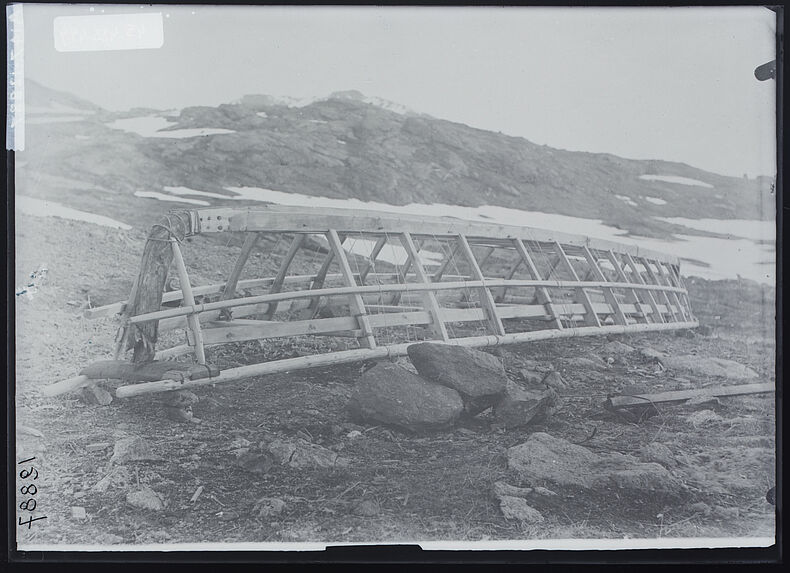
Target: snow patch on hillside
[(41, 208), (151, 126), (164, 197), (655, 201), (676, 179)]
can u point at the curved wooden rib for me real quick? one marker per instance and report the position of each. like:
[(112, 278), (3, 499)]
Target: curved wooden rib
[(573, 296)]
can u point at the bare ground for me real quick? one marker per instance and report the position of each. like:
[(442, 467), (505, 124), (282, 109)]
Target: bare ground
[(431, 487)]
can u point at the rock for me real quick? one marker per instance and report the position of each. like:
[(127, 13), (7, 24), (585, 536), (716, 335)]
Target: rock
[(390, 394), (530, 377), (180, 414), (145, 498), (97, 447), (299, 453), (96, 395), (78, 513), (617, 348), (546, 458), (658, 453), (240, 442), (501, 488), (703, 417), (118, 477), (651, 353), (517, 508), (180, 398), (477, 376), (519, 407), (544, 491), (709, 367), (354, 434), (554, 381), (368, 508), (700, 507), (257, 462), (268, 507), (132, 449)]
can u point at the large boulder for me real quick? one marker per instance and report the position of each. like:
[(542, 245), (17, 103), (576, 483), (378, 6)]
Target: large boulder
[(392, 395), (709, 366), (544, 458), (519, 407), (477, 376)]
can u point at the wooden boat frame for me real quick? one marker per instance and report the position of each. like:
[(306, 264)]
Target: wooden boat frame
[(607, 287)]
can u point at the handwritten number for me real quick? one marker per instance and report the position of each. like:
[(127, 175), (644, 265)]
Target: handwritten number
[(25, 489), (30, 520), (26, 505), (27, 460), (25, 473)]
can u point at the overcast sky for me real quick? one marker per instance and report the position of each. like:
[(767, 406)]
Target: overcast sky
[(645, 83)]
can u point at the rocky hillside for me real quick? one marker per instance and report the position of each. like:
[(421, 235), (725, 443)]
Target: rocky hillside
[(344, 146)]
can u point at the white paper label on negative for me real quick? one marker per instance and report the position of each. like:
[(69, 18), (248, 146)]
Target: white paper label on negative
[(109, 32)]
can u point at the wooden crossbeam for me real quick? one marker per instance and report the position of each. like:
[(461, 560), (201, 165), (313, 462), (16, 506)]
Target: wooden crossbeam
[(438, 328), (250, 241), (543, 295), (655, 280), (189, 300), (630, 294), (651, 299), (669, 279), (486, 298), (319, 280), (445, 263), (590, 317), (371, 262), (277, 285), (403, 272), (367, 340), (608, 293)]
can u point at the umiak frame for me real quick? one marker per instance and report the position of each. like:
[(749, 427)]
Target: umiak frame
[(652, 276)]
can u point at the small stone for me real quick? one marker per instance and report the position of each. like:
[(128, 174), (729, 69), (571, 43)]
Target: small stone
[(354, 434), (700, 507), (709, 401), (257, 462), (98, 446), (554, 381), (268, 507), (518, 509), (180, 398), (544, 491), (502, 488), (95, 395), (658, 453), (336, 429), (78, 513), (617, 348), (240, 443), (228, 516), (703, 418), (519, 407), (530, 377), (651, 354), (79, 494), (180, 414), (368, 508), (133, 448), (145, 498), (117, 477)]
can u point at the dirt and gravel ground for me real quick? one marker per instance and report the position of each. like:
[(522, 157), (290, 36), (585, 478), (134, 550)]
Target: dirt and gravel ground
[(397, 486)]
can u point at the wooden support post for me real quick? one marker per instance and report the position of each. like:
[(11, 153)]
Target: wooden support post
[(500, 292), (277, 285), (630, 294), (669, 279), (371, 262), (229, 292), (655, 280), (486, 298), (320, 278), (357, 305), (437, 326), (402, 272), (656, 315), (189, 300), (608, 293), (590, 317), (543, 295)]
